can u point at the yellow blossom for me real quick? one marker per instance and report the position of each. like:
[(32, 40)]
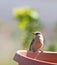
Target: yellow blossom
[(21, 11)]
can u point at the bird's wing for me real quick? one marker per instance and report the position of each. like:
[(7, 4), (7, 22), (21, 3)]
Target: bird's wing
[(31, 44), (32, 41)]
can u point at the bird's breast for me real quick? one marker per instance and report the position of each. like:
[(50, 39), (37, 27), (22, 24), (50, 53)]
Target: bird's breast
[(37, 44)]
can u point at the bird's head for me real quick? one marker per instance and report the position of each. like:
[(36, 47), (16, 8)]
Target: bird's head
[(37, 33)]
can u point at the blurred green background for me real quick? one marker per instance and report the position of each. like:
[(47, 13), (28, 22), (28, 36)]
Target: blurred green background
[(15, 35)]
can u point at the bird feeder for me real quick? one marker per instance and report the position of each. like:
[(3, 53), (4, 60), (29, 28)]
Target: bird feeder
[(24, 57)]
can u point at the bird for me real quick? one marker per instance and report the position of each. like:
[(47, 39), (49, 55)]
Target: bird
[(37, 42)]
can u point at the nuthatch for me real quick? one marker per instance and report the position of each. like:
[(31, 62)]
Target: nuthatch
[(37, 42)]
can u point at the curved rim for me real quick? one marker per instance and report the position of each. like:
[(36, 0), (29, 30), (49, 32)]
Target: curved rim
[(18, 52), (39, 51)]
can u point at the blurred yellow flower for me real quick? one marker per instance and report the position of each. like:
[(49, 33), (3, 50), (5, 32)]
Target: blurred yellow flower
[(25, 15), (21, 11)]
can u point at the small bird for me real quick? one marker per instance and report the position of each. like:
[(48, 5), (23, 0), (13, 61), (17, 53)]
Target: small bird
[(37, 42)]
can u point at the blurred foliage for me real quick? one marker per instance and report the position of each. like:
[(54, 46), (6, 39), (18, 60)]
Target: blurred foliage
[(28, 19), (51, 47), (24, 16)]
